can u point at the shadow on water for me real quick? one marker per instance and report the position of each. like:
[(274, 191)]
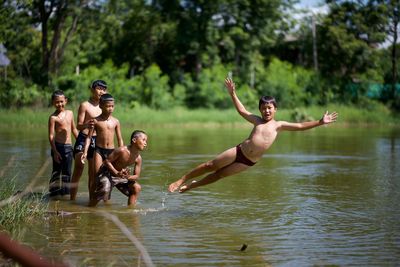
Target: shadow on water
[(322, 197)]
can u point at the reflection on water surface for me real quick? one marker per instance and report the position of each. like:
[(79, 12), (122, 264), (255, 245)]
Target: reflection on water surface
[(328, 196)]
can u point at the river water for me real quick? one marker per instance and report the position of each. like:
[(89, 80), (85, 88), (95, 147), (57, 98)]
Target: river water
[(327, 196)]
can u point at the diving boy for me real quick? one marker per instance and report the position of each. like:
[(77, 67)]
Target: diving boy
[(105, 126), (60, 126), (114, 171), (246, 154), (87, 111)]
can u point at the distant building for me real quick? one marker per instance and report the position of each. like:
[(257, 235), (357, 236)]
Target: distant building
[(4, 60)]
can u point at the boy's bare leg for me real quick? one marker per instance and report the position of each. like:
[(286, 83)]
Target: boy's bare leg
[(76, 175), (133, 198), (229, 170), (94, 166), (91, 178), (223, 159)]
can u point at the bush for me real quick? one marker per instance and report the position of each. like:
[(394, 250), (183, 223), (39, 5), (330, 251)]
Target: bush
[(155, 91), (76, 86), (18, 93)]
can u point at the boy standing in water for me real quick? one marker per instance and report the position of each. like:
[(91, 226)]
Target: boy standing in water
[(246, 154), (61, 125), (114, 171), (106, 127), (87, 111)]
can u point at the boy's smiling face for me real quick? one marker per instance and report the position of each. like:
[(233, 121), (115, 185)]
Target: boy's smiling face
[(98, 91), (59, 102), (268, 111)]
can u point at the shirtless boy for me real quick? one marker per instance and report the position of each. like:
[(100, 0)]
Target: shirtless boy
[(105, 126), (61, 125), (87, 111), (114, 171), (246, 154)]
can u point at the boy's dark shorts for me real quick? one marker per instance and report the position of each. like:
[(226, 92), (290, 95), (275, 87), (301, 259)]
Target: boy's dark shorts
[(80, 145), (105, 182), (61, 175)]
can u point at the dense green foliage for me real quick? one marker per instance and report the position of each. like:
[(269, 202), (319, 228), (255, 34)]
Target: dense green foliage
[(162, 54)]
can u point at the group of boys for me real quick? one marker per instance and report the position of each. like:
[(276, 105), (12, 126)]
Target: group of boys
[(108, 166)]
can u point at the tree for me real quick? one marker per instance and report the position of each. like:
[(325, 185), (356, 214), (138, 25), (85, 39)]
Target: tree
[(58, 20), (393, 15), (348, 38)]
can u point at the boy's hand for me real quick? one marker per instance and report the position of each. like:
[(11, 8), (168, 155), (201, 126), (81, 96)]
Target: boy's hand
[(124, 173), (90, 123), (328, 118), (83, 158), (230, 85), (57, 157)]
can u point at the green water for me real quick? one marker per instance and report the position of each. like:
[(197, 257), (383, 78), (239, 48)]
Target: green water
[(328, 196)]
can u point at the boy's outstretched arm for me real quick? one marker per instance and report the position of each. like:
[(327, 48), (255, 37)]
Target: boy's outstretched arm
[(301, 126), (247, 115)]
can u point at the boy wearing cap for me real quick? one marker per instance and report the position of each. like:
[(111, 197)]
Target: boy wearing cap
[(87, 111)]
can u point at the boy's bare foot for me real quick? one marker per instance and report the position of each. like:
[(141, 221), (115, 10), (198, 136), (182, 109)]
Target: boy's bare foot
[(185, 188), (174, 186)]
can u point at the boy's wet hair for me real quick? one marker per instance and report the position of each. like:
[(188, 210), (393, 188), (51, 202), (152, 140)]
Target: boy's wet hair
[(136, 133), (267, 100), (106, 97), (98, 83), (57, 93)]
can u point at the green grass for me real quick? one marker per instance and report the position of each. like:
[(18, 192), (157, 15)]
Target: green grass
[(183, 117), (19, 210)]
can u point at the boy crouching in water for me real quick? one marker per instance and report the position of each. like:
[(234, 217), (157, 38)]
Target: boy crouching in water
[(114, 171)]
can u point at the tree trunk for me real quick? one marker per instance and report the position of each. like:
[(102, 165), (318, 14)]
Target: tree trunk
[(44, 17), (52, 56), (394, 55)]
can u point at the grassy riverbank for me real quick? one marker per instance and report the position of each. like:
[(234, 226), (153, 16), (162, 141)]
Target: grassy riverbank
[(16, 209), (206, 118)]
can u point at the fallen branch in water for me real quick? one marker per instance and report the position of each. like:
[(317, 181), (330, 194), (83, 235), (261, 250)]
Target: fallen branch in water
[(9, 164), (22, 254)]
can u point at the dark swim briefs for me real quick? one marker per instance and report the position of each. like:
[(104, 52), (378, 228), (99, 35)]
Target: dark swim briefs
[(103, 152), (105, 183), (241, 158), (80, 145)]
